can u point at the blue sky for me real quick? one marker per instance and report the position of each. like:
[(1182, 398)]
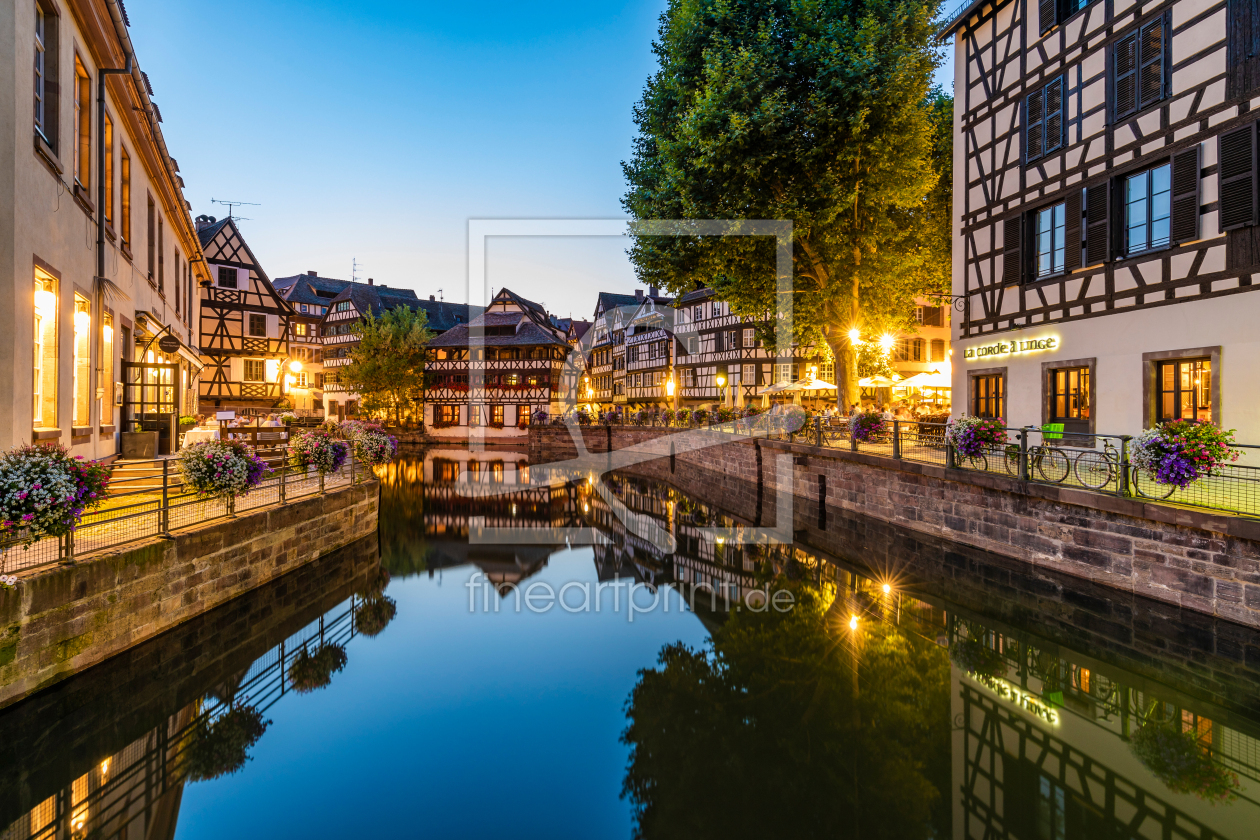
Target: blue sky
[(374, 132)]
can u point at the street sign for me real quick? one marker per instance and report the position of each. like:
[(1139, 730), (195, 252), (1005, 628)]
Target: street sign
[(169, 344)]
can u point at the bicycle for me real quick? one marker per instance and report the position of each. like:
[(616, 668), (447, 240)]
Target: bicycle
[(1049, 462), (1096, 471)]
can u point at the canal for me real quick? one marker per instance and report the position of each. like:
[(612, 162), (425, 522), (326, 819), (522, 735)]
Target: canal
[(565, 661)]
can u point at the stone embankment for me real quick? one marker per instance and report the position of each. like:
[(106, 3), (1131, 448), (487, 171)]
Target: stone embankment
[(1204, 561), (63, 618)]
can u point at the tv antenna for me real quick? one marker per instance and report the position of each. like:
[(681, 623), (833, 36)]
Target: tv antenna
[(442, 294), (231, 204), (354, 270)]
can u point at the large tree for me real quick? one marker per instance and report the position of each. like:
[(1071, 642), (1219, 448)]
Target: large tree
[(387, 364), (816, 111)]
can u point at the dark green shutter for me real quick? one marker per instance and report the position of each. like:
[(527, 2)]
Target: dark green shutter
[(1185, 195), (1236, 151)]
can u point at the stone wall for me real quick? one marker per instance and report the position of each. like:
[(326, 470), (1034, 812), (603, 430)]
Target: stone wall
[(61, 619), (1200, 560)]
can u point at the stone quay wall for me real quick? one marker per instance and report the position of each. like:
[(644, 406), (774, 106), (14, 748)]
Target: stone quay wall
[(1200, 560), (64, 618)]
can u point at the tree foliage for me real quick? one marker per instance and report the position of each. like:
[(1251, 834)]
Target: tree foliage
[(792, 726), (817, 111), (387, 365)]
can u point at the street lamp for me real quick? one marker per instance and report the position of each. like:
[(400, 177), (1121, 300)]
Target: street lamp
[(855, 337), (721, 383)]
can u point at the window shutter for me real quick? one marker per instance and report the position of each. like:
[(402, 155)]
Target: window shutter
[(1185, 195), (1151, 70), (1047, 14), (1124, 67), (1012, 259), (1237, 156), (1097, 205), (1034, 138), (1072, 231), (1053, 132)]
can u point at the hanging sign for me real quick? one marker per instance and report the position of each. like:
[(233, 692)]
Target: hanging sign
[(1002, 349), (169, 344)]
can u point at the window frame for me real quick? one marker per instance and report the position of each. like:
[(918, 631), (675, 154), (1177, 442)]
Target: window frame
[(1049, 370), (82, 124), (1042, 120), (1036, 255), (998, 374), (221, 273), (1150, 383), (1125, 251), (253, 319), (245, 370)]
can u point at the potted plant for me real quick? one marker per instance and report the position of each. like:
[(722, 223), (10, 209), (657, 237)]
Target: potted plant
[(45, 491), (288, 418), (317, 449), (1177, 758), (186, 422), (970, 436), (221, 747), (374, 446), (1180, 452), (866, 426), (221, 469)]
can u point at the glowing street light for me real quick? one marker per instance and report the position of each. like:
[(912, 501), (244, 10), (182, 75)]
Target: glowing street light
[(886, 342), (295, 366), (887, 589), (853, 622), (855, 337)]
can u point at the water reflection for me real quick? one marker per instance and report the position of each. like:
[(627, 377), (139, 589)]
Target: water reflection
[(915, 689)]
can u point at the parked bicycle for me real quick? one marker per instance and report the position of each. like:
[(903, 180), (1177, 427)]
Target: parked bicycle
[(1097, 470)]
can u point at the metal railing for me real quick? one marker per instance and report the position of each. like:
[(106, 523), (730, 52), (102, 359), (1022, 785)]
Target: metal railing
[(152, 501), (1096, 462)]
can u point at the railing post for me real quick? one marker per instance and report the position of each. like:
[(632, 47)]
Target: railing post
[(1123, 485), (284, 471), (1023, 453), (350, 458), (951, 457), (231, 506), (321, 482), (818, 433), (896, 438), (165, 524)]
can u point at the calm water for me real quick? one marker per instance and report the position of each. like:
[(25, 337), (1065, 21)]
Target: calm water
[(910, 690)]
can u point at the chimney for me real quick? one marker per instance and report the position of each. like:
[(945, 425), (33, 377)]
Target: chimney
[(312, 274), (204, 222), (638, 294), (653, 291), (371, 282), (432, 297)]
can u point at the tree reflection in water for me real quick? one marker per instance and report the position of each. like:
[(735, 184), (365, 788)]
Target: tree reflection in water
[(793, 725), (404, 549)]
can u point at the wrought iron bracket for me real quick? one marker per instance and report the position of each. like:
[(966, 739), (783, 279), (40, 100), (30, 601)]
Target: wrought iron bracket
[(958, 302)]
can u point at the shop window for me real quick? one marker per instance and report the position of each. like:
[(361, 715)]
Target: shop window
[(988, 395), (82, 362), (1185, 390), (1069, 394), (105, 389), (46, 309), (1148, 209)]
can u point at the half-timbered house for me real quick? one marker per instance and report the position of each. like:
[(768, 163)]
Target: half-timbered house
[(716, 345), (355, 302), (309, 296), (1106, 212), (606, 380), (245, 326), (489, 375)]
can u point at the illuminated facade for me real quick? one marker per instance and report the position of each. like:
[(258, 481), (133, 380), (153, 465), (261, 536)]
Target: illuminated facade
[(1105, 210)]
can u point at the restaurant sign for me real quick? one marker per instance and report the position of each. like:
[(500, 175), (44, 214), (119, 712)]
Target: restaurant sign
[(1011, 348), (1016, 696)]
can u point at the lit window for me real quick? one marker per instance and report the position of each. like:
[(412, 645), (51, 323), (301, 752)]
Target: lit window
[(1147, 209), (1051, 237), (45, 350), (255, 370), (104, 389), (1185, 390), (108, 209), (82, 361), (124, 173), (82, 123)]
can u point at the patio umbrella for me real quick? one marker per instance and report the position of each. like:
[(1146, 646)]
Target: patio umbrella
[(776, 388), (927, 379), (812, 385), (877, 382)]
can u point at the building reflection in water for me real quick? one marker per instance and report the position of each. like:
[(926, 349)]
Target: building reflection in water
[(134, 792)]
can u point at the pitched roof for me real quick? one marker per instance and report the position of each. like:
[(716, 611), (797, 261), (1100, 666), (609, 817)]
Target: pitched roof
[(527, 333), (695, 296), (222, 241), (307, 288), (370, 298), (579, 328)]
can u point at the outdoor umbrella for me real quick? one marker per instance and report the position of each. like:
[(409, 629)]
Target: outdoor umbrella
[(877, 382)]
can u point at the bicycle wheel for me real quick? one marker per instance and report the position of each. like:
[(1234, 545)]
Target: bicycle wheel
[(1094, 470), (1052, 464), (1010, 459), (976, 462), (1148, 488)]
